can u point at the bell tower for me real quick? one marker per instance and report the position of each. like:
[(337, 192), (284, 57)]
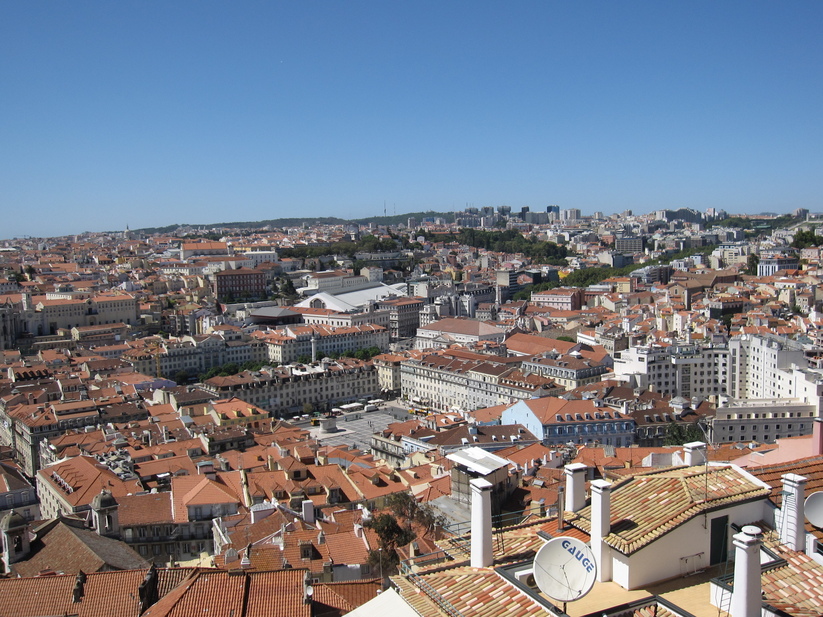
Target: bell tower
[(104, 514), (15, 532)]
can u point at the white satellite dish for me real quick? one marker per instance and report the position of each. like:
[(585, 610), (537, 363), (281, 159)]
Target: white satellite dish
[(813, 508), (564, 569)]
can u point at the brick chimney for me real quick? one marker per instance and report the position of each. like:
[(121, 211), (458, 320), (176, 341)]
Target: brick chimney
[(575, 486), (746, 593), (482, 555), (792, 520)]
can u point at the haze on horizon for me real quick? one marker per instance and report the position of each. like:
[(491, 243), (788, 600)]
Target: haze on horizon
[(149, 114)]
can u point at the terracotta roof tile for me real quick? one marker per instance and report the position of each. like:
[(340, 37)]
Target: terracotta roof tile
[(645, 507)]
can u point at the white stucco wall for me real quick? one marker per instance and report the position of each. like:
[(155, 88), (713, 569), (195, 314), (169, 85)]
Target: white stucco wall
[(661, 559), (519, 413)]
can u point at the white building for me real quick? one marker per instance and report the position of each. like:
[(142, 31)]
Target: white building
[(690, 371)]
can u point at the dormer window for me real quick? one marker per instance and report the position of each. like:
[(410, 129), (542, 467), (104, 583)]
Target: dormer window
[(305, 550)]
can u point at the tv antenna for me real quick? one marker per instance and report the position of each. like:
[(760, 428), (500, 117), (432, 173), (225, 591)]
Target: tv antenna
[(564, 569)]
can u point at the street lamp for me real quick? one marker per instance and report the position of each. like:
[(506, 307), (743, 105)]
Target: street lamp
[(380, 553)]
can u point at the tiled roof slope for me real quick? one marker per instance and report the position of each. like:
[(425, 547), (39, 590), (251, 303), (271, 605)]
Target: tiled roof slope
[(69, 549), (513, 543), (648, 608), (810, 468), (105, 593), (646, 507), (344, 596), (243, 594), (795, 587), (481, 593)]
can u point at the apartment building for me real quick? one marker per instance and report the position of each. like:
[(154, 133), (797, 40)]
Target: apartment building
[(27, 425), (285, 389), (339, 319), (467, 381), (288, 344), (562, 298), (690, 371), (557, 421), (17, 493), (70, 485), (195, 354), (239, 283), (338, 281), (767, 266), (762, 366), (388, 372), (45, 315), (569, 371), (191, 249), (763, 420), (404, 316)]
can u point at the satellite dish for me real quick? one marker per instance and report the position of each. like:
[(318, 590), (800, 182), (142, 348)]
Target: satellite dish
[(813, 508), (564, 569)]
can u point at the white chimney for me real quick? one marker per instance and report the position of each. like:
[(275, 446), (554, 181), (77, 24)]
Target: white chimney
[(817, 437), (308, 511), (601, 526), (694, 453), (746, 593), (792, 520), (261, 510), (482, 555), (575, 486)]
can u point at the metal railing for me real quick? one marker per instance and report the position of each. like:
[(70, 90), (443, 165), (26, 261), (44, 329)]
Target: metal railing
[(431, 592)]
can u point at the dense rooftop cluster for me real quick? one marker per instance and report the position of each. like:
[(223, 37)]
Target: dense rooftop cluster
[(217, 417)]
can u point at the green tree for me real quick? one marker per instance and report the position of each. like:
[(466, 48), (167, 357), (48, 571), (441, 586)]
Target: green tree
[(675, 435), (181, 377), (287, 287), (752, 263), (407, 508), (806, 238), (229, 369), (678, 433), (389, 532), (308, 409)]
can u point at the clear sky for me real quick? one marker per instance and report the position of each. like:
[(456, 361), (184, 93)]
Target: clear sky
[(151, 113)]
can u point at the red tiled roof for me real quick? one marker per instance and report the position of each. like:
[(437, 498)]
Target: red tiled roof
[(640, 514), (105, 593)]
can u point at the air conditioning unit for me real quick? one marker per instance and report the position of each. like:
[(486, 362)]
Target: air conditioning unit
[(526, 577)]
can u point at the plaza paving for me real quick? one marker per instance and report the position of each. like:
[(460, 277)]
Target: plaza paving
[(357, 433)]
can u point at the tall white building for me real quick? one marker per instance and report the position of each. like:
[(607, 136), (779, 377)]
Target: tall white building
[(690, 371)]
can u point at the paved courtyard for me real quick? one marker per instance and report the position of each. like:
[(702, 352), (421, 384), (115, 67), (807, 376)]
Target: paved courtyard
[(357, 433)]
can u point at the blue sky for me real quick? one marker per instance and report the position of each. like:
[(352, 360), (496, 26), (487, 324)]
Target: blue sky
[(154, 113)]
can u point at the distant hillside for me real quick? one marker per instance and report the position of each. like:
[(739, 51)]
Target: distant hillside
[(297, 222)]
